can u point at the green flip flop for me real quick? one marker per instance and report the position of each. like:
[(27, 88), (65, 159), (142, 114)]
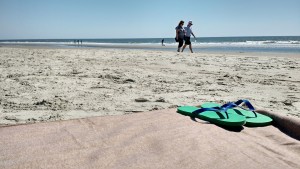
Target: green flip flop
[(215, 115), (253, 119)]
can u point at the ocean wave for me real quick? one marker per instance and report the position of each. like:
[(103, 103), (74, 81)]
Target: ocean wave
[(267, 43), (253, 44)]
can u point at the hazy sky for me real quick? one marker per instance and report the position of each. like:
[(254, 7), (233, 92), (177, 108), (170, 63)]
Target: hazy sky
[(35, 19)]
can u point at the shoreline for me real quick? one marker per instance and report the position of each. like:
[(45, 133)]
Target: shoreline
[(50, 84), (241, 44), (147, 48)]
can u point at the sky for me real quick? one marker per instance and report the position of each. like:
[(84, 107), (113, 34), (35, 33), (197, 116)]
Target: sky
[(61, 19)]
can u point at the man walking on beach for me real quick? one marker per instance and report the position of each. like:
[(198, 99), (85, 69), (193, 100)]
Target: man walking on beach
[(187, 38)]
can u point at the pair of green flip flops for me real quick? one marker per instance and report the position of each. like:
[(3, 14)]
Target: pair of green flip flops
[(230, 114)]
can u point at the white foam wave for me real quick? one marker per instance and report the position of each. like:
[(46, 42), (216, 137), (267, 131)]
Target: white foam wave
[(291, 44), (288, 44)]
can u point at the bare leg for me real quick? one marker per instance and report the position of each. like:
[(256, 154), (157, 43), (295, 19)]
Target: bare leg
[(287, 124), (190, 46), (183, 47)]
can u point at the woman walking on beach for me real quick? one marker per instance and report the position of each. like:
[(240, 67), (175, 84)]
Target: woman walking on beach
[(180, 34), (187, 37)]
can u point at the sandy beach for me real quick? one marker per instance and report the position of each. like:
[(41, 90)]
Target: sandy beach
[(135, 94), (49, 84), (100, 85)]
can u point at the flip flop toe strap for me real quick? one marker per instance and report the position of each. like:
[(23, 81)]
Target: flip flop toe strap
[(248, 104), (215, 109)]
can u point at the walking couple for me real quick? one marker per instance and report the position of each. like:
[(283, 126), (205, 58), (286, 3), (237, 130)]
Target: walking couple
[(184, 34)]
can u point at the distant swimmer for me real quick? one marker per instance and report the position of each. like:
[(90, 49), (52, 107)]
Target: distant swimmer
[(162, 42), (81, 42)]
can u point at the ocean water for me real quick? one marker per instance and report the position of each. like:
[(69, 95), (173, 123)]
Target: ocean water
[(283, 44)]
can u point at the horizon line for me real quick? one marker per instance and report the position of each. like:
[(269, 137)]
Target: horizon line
[(149, 38)]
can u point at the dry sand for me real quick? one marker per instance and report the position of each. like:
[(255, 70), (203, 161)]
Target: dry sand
[(39, 84)]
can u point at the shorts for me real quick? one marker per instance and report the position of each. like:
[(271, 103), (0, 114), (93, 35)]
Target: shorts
[(187, 40)]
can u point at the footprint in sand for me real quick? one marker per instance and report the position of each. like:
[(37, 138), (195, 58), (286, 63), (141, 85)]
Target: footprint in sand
[(297, 105)]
